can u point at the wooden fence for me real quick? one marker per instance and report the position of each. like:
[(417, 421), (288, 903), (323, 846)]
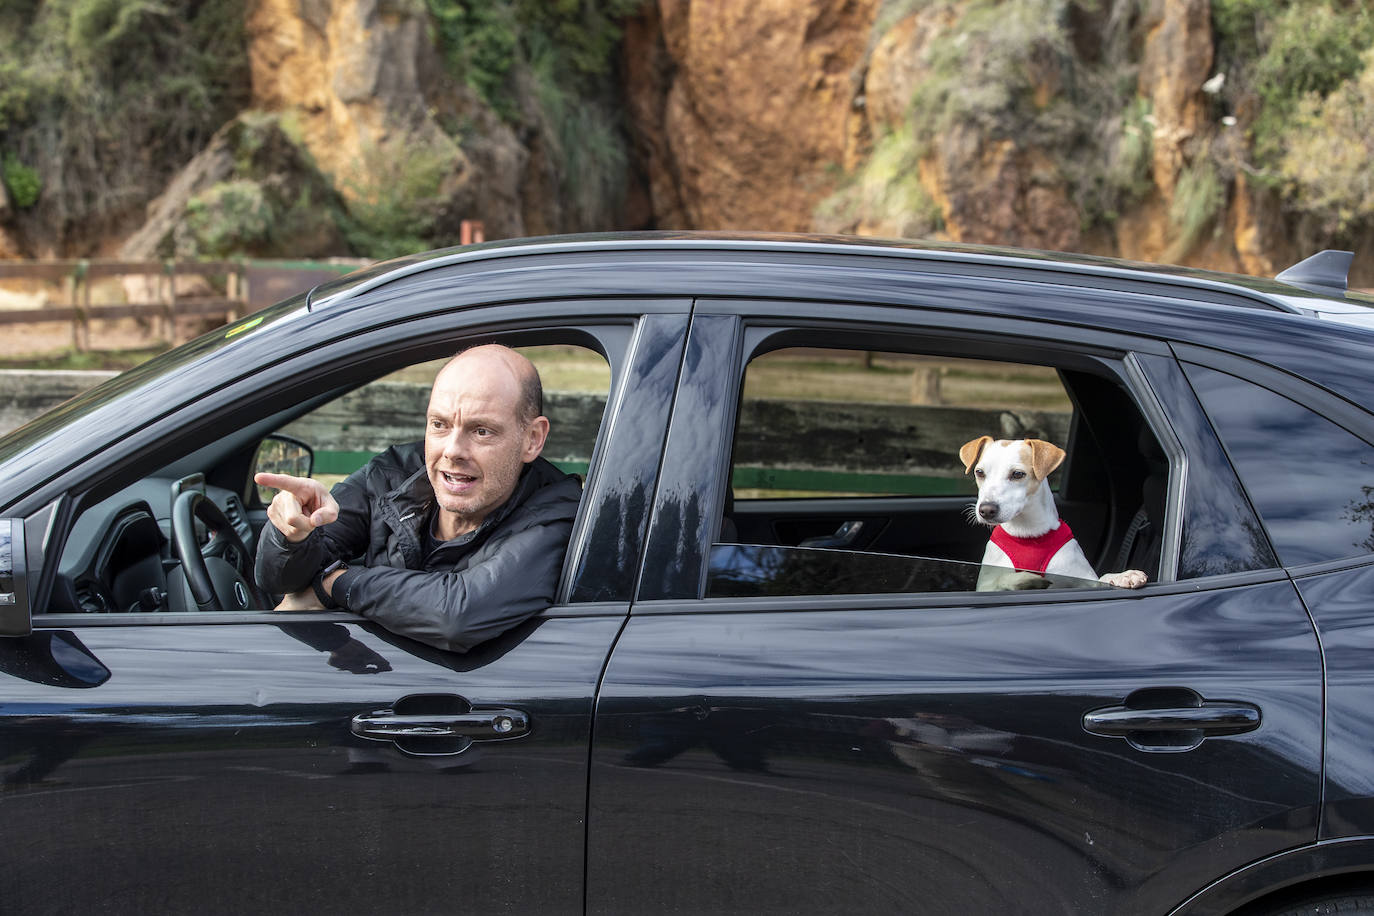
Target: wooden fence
[(77, 278)]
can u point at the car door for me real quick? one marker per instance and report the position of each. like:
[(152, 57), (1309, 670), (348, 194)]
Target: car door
[(261, 762), (798, 745)]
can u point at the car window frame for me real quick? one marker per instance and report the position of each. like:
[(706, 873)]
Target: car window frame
[(996, 337), (1331, 407), (315, 366)]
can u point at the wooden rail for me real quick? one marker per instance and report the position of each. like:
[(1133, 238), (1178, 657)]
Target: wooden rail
[(76, 277)]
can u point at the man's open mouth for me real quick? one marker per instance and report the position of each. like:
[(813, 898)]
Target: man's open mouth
[(456, 481)]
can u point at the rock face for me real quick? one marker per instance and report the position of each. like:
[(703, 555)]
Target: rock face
[(743, 108), (366, 84)]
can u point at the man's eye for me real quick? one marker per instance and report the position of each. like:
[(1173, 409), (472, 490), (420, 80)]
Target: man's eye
[(482, 431)]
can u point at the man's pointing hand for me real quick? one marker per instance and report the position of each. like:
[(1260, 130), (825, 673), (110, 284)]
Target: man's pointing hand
[(300, 506)]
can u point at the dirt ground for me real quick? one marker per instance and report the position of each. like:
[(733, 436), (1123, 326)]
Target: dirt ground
[(52, 338)]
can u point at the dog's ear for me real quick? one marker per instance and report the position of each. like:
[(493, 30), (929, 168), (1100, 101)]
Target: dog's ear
[(969, 451), (1045, 457)]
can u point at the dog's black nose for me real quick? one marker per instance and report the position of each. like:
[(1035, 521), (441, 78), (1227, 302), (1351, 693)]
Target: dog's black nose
[(987, 511)]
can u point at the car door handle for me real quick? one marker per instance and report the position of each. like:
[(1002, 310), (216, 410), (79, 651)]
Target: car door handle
[(478, 725), (431, 725), (1211, 718), (1171, 719)]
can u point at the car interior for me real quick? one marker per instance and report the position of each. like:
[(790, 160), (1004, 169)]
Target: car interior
[(1110, 488), (184, 537)]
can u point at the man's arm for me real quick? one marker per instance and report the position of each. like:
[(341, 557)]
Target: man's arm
[(310, 526), (512, 578)]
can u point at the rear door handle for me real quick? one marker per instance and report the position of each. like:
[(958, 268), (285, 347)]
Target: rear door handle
[(1171, 719), (439, 724)]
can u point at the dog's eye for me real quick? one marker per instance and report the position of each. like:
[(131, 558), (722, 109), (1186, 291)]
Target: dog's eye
[(1017, 475), (979, 473)]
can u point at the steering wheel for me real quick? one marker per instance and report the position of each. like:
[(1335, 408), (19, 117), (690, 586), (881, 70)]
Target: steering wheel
[(217, 584)]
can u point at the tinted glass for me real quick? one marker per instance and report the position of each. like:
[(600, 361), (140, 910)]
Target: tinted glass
[(751, 570), (817, 423), (1311, 480)]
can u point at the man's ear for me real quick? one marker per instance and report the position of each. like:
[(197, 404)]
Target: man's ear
[(1045, 457), (969, 451), (535, 435)]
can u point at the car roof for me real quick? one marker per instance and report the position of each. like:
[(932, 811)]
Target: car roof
[(1260, 291)]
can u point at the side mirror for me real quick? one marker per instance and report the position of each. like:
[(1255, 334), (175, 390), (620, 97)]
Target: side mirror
[(14, 580), (280, 454)]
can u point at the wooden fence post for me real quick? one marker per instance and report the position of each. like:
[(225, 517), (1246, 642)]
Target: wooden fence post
[(169, 272), (81, 329)]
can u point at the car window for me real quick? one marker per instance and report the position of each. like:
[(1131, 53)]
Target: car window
[(1311, 481), (847, 479), (822, 423), (122, 553), (347, 432)]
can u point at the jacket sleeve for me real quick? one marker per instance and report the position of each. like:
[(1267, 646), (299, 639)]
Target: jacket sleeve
[(514, 578), (283, 567)]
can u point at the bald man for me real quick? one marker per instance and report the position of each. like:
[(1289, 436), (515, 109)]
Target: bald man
[(450, 541)]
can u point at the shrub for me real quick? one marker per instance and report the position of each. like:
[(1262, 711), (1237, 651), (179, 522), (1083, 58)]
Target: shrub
[(392, 197), (1198, 198), (22, 182), (1326, 163), (108, 97), (547, 66)]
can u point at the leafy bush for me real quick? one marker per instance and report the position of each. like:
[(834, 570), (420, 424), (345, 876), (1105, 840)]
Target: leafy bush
[(886, 194), (394, 195), (1198, 198), (547, 66), (1327, 161), (22, 182), (108, 97)]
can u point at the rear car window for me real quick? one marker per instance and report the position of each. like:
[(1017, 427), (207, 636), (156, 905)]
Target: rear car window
[(1311, 481)]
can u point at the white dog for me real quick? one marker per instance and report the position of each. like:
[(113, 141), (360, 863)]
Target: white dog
[(1027, 532)]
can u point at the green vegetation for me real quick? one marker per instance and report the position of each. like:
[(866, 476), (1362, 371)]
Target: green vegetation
[(547, 65), (275, 204), (1298, 79), (22, 182), (106, 98), (395, 193), (1011, 71), (1198, 198), (1328, 159)]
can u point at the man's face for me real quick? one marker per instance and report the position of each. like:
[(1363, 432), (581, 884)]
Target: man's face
[(475, 442)]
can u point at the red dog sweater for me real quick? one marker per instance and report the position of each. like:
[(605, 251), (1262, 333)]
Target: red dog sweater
[(1032, 554)]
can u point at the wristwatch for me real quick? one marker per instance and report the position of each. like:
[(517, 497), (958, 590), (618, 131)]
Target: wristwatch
[(318, 583)]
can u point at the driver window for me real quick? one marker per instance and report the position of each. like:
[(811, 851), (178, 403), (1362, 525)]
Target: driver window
[(847, 479), (123, 553)]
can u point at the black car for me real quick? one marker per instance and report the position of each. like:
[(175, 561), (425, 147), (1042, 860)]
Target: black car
[(769, 683)]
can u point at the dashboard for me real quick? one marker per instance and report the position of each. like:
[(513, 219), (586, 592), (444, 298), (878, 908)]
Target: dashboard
[(119, 555)]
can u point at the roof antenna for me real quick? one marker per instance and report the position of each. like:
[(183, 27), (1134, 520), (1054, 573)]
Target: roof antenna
[(1324, 272)]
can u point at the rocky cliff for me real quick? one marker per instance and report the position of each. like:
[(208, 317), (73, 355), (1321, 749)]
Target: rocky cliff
[(1123, 127)]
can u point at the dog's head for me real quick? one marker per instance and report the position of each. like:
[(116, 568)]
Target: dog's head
[(1009, 473)]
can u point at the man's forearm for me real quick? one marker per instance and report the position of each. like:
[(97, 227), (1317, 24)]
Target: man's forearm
[(283, 566)]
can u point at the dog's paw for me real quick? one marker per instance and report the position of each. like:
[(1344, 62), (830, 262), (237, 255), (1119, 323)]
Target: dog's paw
[(1131, 578)]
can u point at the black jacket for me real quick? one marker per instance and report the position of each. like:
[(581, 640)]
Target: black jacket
[(469, 589)]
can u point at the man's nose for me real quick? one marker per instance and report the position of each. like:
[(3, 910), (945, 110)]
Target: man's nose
[(455, 446)]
